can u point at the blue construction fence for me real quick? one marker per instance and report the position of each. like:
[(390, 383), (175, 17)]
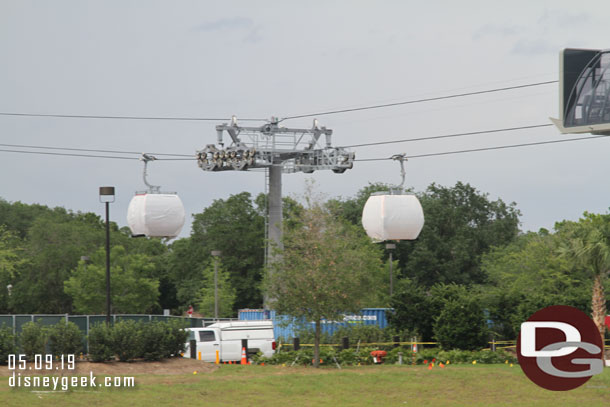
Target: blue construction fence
[(286, 327)]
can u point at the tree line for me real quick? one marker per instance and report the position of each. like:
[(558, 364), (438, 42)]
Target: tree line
[(471, 267)]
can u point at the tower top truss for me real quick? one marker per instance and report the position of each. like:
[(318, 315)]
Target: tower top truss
[(296, 150)]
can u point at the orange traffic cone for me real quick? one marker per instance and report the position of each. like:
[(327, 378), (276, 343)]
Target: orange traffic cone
[(244, 358)]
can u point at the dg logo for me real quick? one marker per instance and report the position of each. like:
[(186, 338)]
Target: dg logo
[(560, 348)]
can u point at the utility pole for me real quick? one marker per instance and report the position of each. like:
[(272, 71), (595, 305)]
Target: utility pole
[(278, 150)]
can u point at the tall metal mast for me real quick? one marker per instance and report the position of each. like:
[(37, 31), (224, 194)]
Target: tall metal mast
[(277, 149)]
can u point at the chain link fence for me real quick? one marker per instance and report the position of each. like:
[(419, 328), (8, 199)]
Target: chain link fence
[(86, 322)]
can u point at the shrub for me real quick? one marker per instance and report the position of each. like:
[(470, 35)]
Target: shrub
[(353, 357), (100, 343), (152, 341), (306, 335), (130, 340), (7, 344), (457, 356), (126, 343), (461, 325), (304, 357), (175, 338), (65, 338), (362, 333), (300, 358), (34, 339)]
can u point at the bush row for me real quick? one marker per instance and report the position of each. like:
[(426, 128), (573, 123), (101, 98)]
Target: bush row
[(362, 356), (128, 340), (7, 344), (125, 340), (59, 339), (355, 333)]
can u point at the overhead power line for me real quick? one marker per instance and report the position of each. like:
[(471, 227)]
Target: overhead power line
[(77, 116), (408, 102), (473, 150), (472, 133)]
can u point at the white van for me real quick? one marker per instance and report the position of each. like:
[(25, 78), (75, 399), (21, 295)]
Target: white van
[(226, 337)]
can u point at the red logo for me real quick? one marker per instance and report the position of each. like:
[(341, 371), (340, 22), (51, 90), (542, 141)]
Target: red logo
[(560, 348)]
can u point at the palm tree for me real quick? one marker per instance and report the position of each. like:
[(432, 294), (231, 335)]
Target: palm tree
[(589, 246)]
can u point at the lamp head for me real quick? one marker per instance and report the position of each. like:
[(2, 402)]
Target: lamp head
[(106, 194)]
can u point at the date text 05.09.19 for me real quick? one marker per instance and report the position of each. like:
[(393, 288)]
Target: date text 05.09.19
[(41, 362)]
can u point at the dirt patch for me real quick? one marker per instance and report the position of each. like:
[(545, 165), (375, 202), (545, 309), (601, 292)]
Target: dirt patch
[(164, 367)]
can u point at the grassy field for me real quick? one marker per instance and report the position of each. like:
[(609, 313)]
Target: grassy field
[(461, 385)]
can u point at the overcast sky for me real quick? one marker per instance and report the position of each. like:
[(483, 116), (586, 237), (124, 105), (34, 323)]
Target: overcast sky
[(257, 59)]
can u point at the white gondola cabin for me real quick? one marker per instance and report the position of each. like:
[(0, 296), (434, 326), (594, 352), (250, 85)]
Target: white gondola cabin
[(392, 217), (155, 215)]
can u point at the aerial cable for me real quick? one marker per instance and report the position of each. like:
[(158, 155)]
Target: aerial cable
[(68, 154), (408, 102), (471, 133), (91, 150), (89, 155), (487, 148), (360, 159), (76, 116), (192, 156)]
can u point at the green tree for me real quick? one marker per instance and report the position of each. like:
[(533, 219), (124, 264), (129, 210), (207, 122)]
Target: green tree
[(326, 269), (226, 293), (416, 307), (413, 309), (185, 262), (588, 243), (235, 227), (460, 225), (351, 209), (19, 217), (49, 243), (53, 246), (11, 259), (132, 290), (527, 275)]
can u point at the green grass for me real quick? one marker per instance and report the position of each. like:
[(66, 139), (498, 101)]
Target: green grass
[(462, 385)]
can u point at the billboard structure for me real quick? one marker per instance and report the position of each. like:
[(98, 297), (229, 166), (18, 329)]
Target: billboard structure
[(584, 91)]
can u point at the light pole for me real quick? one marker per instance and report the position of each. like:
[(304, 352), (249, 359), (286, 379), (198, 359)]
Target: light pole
[(216, 254), (107, 197), (9, 288), (390, 247)]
